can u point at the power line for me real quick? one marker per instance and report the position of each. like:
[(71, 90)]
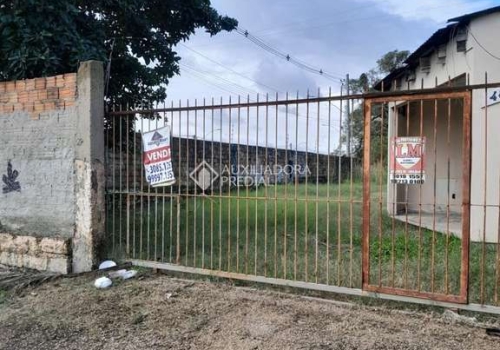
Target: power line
[(301, 64), (200, 75), (231, 70), (222, 80)]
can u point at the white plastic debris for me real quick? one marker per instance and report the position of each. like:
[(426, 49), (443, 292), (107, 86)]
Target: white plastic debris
[(107, 264), (129, 274), (454, 317), (102, 283), (117, 273)]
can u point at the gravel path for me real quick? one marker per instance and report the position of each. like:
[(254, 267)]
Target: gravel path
[(158, 312)]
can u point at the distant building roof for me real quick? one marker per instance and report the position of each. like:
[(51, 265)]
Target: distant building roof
[(468, 17), (441, 36)]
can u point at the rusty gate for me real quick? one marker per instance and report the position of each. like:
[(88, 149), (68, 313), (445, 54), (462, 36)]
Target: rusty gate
[(366, 195)]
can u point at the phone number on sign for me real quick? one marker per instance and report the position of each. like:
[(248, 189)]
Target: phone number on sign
[(158, 168), (160, 177), (159, 172)]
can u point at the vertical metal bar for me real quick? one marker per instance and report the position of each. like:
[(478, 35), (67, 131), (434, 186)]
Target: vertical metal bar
[(187, 140), (238, 193), (229, 199), (408, 106), (178, 221), (286, 180), (127, 185), (306, 208), (204, 198), (179, 188), (120, 182), (485, 191), (466, 170), (148, 227), (211, 201), (351, 195), (276, 183), (394, 194), (366, 194), (247, 188), (448, 173), (419, 267), (433, 248), (171, 200), (136, 167), (128, 225), (156, 207), (195, 188), (113, 181), (328, 174), (381, 160), (339, 201), (163, 195), (256, 237), (295, 179), (316, 209), (266, 182), (220, 186), (141, 227)]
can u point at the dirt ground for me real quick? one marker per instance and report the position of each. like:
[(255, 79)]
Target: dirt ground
[(160, 312)]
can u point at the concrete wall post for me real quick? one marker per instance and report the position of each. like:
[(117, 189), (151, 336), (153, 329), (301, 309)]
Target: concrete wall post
[(89, 167)]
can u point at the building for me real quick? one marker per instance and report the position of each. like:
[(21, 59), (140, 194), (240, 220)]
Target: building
[(465, 52)]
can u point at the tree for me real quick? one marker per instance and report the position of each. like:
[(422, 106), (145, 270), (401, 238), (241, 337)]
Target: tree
[(355, 123), (49, 37)]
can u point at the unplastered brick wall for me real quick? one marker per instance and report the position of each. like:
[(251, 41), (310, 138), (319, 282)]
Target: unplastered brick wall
[(51, 161), (38, 95)]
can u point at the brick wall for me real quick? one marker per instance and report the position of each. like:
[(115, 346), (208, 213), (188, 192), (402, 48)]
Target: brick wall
[(38, 95), (38, 253)]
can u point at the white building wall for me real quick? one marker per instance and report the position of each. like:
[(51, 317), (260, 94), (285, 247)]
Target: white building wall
[(485, 127), (485, 149)]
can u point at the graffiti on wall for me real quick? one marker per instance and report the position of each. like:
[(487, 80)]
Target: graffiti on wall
[(9, 180)]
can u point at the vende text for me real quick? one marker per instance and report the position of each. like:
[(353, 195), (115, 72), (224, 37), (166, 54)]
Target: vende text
[(157, 155)]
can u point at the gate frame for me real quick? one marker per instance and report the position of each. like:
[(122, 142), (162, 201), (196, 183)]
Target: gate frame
[(462, 297)]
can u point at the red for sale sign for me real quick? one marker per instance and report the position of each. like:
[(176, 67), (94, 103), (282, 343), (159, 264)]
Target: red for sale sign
[(406, 161), (156, 157)]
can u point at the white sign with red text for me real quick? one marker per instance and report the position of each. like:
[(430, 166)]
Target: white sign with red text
[(407, 160), (157, 158)]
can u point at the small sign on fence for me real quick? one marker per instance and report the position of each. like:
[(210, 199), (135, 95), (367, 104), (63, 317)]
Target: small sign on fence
[(406, 160), (157, 158)]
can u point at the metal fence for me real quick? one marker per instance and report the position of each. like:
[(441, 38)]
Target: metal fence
[(301, 192)]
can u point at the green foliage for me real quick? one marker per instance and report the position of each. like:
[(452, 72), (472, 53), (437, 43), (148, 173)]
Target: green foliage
[(386, 64), (391, 61), (42, 37)]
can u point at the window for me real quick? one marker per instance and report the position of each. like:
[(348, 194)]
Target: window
[(425, 64), (461, 45)]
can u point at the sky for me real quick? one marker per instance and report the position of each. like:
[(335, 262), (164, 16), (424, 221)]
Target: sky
[(338, 36)]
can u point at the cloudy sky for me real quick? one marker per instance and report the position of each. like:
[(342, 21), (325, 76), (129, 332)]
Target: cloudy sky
[(339, 36)]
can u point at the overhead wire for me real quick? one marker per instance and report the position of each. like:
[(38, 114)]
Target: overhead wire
[(301, 64), (230, 69), (232, 90)]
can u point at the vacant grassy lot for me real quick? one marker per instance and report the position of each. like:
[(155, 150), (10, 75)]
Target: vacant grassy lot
[(306, 232)]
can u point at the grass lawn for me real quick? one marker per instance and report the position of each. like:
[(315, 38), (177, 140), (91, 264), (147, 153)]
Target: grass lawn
[(301, 232)]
